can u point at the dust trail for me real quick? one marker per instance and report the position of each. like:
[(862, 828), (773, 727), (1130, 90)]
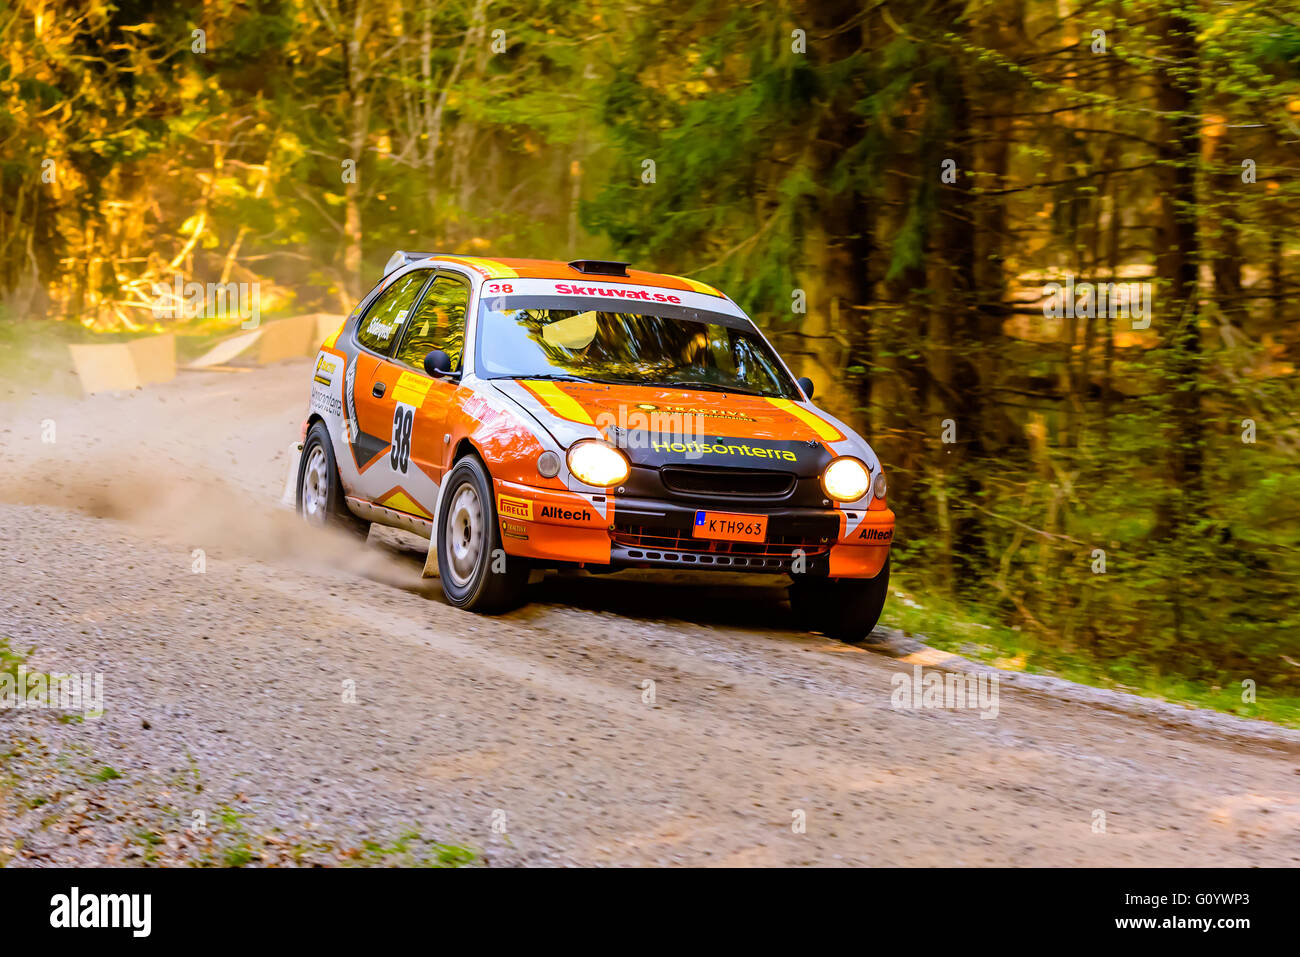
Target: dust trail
[(151, 464), (200, 511)]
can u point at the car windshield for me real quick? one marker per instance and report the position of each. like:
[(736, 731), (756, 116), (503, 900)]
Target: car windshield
[(672, 346)]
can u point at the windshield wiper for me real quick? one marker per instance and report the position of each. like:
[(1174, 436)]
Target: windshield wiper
[(564, 377), (703, 386), (548, 377)]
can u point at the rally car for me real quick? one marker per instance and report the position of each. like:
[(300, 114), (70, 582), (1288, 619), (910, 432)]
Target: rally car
[(527, 414)]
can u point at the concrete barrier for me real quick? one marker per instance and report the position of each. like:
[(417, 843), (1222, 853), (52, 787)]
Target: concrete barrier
[(287, 339), (119, 366), (327, 323), (226, 350), (276, 341), (154, 358)]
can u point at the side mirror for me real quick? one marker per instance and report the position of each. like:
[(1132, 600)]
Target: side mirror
[(437, 363), (806, 384)]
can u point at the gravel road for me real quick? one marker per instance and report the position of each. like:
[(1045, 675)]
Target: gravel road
[(144, 543)]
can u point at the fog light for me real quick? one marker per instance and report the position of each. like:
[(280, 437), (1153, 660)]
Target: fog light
[(548, 465), (878, 486)]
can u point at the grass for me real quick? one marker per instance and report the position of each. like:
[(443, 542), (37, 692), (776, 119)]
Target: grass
[(10, 659), (149, 840), (240, 854), (34, 357), (950, 626), (412, 850), (232, 845), (236, 847)]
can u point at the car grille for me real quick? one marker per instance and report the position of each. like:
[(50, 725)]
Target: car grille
[(727, 483), (678, 545)]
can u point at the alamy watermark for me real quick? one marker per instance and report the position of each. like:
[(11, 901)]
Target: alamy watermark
[(74, 910), (213, 300), (683, 430), (1091, 300), (24, 690), (926, 690)]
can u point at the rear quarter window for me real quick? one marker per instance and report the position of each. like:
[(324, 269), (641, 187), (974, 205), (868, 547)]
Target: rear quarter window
[(387, 315)]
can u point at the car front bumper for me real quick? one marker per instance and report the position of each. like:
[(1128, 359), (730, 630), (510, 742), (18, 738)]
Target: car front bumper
[(634, 532)]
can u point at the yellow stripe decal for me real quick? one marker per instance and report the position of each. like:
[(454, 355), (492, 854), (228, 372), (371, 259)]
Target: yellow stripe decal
[(329, 343), (819, 425), (499, 270), (559, 401), (700, 287), (490, 268), (402, 502)]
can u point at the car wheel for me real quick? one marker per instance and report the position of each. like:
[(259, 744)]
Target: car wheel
[(475, 572), (842, 608), (320, 493)]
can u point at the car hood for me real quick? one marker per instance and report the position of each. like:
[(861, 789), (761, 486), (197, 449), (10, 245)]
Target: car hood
[(575, 410)]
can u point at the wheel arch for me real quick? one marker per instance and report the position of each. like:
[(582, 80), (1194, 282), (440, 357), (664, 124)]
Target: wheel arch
[(465, 447), (307, 425), (312, 418)]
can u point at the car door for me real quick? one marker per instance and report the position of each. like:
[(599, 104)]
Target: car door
[(418, 403), (369, 385)]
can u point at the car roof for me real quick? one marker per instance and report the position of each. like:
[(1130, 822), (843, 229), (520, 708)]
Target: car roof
[(553, 269)]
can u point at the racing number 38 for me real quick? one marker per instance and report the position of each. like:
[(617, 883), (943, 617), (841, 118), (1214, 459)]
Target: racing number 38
[(399, 456)]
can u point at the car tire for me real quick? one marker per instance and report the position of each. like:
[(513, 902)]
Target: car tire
[(843, 608), (320, 492), (469, 544)]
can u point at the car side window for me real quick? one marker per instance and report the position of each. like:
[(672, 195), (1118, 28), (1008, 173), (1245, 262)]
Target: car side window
[(384, 320), (438, 323)]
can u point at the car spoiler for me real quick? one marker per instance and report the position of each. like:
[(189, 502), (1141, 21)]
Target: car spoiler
[(400, 258)]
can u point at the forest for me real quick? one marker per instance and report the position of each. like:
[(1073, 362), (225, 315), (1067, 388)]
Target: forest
[(1044, 256)]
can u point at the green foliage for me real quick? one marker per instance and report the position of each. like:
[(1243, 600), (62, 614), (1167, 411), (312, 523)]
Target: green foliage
[(9, 658), (412, 850), (1200, 573)]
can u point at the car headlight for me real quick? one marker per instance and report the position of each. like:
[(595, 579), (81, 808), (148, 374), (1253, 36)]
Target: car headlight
[(878, 486), (595, 463), (846, 480)]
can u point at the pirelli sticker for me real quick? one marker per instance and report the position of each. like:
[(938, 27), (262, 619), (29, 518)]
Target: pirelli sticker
[(508, 507)]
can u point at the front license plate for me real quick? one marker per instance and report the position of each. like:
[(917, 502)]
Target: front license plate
[(730, 527)]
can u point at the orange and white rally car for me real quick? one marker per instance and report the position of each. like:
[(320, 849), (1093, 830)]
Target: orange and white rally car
[(528, 414)]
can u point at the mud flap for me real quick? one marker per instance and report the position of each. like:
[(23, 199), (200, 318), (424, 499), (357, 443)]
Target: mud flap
[(289, 499), (431, 560)]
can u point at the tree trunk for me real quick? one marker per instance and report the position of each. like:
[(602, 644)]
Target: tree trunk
[(955, 323), (1178, 263), (356, 118)]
